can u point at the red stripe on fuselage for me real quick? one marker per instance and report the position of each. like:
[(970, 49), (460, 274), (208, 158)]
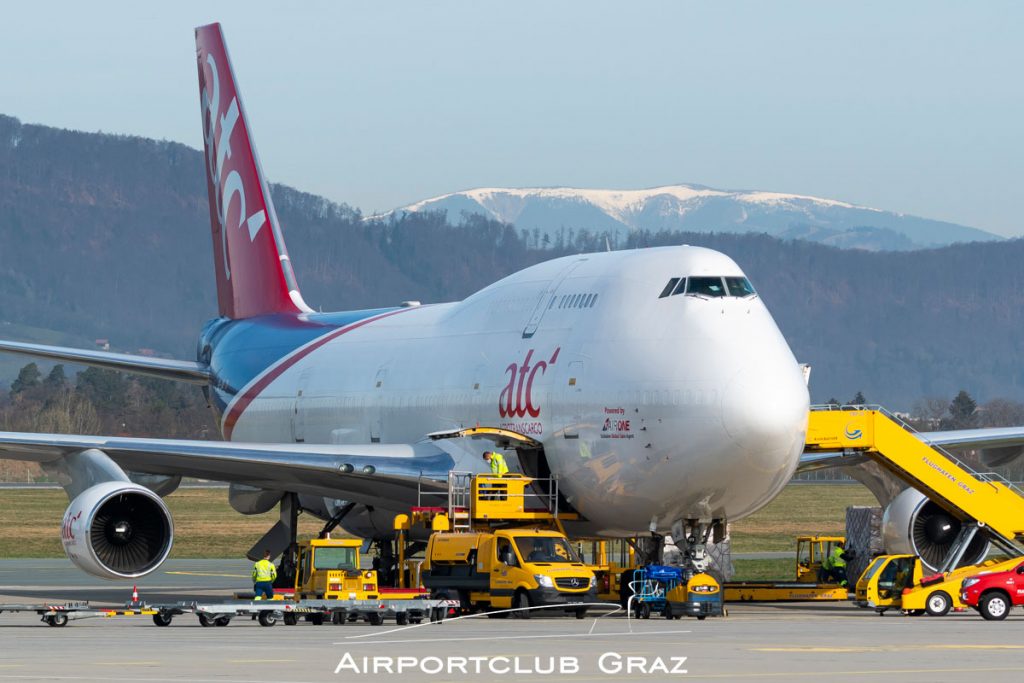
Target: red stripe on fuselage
[(239, 405)]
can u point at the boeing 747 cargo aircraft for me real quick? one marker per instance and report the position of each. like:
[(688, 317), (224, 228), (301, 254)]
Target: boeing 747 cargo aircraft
[(653, 384)]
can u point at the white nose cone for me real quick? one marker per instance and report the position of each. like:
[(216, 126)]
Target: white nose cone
[(764, 411)]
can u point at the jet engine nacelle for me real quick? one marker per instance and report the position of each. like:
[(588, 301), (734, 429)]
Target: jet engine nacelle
[(915, 525), (117, 530)]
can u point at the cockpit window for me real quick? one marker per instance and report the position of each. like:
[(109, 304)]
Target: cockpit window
[(739, 286), (706, 286), (669, 287), (681, 287)]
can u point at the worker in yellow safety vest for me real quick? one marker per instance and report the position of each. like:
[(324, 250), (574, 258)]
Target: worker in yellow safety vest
[(263, 574), (835, 564), (497, 462)]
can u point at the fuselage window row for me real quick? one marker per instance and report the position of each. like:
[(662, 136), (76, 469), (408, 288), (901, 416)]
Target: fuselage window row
[(577, 300)]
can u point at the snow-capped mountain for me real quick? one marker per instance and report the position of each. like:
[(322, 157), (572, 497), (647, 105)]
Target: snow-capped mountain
[(693, 208)]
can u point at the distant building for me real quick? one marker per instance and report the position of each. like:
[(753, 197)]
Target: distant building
[(103, 344)]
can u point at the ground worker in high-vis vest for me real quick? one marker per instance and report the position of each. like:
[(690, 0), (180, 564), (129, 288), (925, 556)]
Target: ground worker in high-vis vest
[(263, 574), (837, 564), (497, 463)]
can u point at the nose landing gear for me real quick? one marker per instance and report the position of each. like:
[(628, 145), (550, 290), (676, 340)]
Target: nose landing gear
[(692, 537)]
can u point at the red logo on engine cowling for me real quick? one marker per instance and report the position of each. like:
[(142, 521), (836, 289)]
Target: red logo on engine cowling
[(66, 533), (516, 398)]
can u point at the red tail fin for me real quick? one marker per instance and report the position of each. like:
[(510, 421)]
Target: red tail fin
[(254, 275)]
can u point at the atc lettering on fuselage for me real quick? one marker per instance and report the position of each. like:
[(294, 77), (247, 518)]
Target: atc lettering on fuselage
[(512, 402)]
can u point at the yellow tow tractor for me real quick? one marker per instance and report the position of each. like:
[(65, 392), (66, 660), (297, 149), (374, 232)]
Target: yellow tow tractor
[(811, 552), (899, 582), (499, 545), (329, 569)]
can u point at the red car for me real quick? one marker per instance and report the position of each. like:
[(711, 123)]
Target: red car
[(994, 594)]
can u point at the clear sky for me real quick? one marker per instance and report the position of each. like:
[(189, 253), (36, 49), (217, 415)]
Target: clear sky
[(915, 107)]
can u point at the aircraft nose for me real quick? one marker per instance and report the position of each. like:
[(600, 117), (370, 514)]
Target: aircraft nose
[(764, 411)]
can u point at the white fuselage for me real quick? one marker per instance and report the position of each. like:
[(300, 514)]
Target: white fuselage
[(650, 409)]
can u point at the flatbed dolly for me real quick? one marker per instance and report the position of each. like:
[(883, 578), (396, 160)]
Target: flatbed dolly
[(267, 612), (59, 614)]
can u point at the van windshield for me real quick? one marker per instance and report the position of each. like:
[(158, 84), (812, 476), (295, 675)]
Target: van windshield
[(546, 549)]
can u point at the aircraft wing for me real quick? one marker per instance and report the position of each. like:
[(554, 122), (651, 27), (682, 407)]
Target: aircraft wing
[(375, 474), (974, 439), (164, 368)]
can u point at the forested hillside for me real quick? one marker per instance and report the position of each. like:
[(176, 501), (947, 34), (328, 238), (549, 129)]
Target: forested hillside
[(107, 237)]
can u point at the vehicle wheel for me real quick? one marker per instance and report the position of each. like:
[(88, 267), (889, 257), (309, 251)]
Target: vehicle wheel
[(290, 619), (645, 610), (938, 604), (416, 620), (994, 606), (267, 618), (338, 618), (205, 620), (521, 603), (581, 613), (916, 612), (401, 618), (668, 610), (702, 617), (57, 620), (316, 619), (222, 621), (375, 619), (161, 619)]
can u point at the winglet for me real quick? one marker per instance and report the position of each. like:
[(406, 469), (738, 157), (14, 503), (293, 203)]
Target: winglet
[(254, 274)]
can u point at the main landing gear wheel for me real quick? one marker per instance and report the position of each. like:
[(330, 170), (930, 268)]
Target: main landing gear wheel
[(938, 604), (994, 606)]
